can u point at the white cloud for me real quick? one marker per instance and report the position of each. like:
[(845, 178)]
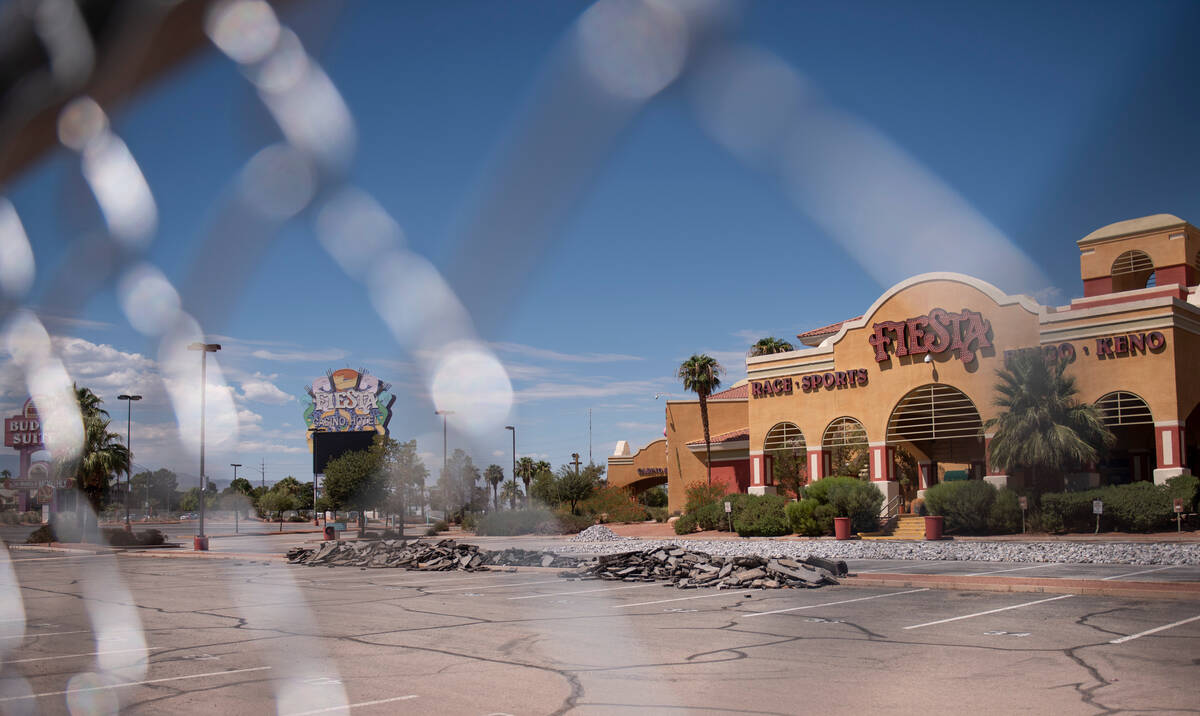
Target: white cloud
[(534, 352), (294, 356), (497, 453), (260, 389), (552, 391)]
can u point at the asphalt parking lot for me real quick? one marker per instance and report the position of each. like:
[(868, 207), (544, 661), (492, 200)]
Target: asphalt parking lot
[(187, 635)]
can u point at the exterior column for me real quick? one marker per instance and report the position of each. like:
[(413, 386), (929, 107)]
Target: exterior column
[(1140, 466), (1168, 443), (883, 471), (760, 477), (817, 459), (993, 475), (924, 474)]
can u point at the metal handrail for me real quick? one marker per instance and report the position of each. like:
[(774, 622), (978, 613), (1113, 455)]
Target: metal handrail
[(892, 508)]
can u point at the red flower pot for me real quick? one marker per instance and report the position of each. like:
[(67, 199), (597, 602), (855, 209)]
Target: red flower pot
[(200, 544), (934, 525)]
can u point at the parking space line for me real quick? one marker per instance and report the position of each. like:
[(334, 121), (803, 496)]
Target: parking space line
[(990, 611), (436, 582), (347, 707), (496, 586), (724, 593), (1144, 571), (53, 633), (72, 656), (1001, 571), (107, 687), (830, 604), (1155, 630), (587, 591)]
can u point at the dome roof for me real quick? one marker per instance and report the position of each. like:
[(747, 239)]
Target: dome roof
[(1142, 225)]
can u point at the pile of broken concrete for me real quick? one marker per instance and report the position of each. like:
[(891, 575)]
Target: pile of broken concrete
[(688, 570), (444, 555)]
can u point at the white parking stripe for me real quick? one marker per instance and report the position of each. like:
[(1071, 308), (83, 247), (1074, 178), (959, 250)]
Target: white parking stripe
[(586, 591), (1000, 571), (1155, 630), (830, 604), (347, 707), (1144, 571), (990, 611), (494, 586), (725, 593), (131, 683), (72, 656)]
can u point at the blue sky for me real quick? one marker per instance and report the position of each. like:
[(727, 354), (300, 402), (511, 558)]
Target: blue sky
[(1039, 123)]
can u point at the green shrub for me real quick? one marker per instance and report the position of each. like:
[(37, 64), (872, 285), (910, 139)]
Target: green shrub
[(431, 532), (658, 514), (42, 535), (801, 518), (711, 517), (566, 523), (1186, 487), (761, 516), (685, 525), (965, 504), (533, 521), (31, 517), (469, 521), (441, 525), (1005, 514), (1136, 507), (614, 504), (824, 515), (849, 497), (9, 517)]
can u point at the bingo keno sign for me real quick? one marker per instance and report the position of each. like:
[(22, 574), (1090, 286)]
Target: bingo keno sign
[(349, 401)]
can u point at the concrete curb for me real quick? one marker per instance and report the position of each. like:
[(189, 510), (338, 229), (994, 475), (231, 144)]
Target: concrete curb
[(51, 548), (1039, 585)]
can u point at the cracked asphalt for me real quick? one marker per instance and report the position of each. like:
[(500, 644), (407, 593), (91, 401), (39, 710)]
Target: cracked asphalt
[(152, 636)]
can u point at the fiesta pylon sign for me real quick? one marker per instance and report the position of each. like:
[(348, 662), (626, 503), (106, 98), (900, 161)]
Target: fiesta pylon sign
[(348, 400)]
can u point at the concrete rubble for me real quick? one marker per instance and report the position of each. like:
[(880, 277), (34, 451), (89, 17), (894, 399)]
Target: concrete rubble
[(686, 569), (444, 555)]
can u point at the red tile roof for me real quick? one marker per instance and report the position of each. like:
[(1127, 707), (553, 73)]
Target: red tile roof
[(737, 392), (743, 434), (824, 330)]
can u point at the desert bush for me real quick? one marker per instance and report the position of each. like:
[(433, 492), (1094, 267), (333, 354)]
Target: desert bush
[(699, 494), (801, 518), (1136, 507), (848, 497), (685, 525), (658, 514), (761, 516), (566, 523), (514, 522), (614, 504), (42, 535), (470, 521), (966, 505), (31, 517), (1186, 487), (1004, 517)]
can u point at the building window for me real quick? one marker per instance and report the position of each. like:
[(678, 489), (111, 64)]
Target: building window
[(1121, 408), (1132, 270), (934, 412), (845, 440), (784, 436)]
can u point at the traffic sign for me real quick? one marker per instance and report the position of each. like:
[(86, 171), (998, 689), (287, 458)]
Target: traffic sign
[(1097, 507), (1179, 504), (1024, 502), (729, 507)]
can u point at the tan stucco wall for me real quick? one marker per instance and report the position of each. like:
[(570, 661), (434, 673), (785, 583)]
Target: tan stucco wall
[(1096, 259), (683, 426), (624, 473)]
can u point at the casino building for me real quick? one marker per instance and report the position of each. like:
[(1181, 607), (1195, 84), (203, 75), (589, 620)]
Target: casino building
[(907, 386)]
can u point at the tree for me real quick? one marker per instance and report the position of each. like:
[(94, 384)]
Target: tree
[(159, 487), (405, 473), (770, 345), (102, 454), (280, 501), (574, 487), (512, 493), (1042, 427), (542, 488), (701, 375), (241, 485), (456, 486), (354, 480), (790, 469), (525, 469), (494, 475)]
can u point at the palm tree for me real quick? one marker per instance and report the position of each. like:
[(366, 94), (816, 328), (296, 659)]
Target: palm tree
[(1043, 426), (494, 475), (102, 454), (525, 470), (770, 344), (701, 375), (512, 493), (89, 403)]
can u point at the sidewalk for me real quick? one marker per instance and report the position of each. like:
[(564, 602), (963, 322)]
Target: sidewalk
[(662, 530)]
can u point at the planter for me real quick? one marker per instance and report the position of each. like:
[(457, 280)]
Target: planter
[(200, 544), (841, 527), (934, 525)]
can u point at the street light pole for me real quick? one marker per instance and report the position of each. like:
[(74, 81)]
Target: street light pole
[(513, 428), (201, 542), (445, 460), (235, 466), (129, 448)]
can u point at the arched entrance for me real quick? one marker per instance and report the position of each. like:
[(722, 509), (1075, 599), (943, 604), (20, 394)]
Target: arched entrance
[(1132, 457), (787, 454), (845, 447), (941, 423)]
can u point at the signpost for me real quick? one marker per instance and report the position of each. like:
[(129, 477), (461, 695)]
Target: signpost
[(1097, 510), (1178, 514), (1024, 506), (729, 514)]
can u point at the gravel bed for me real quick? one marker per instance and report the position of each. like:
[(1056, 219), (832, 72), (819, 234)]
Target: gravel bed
[(1166, 553), (598, 533)]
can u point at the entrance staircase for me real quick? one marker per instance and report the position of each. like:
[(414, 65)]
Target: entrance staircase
[(904, 527)]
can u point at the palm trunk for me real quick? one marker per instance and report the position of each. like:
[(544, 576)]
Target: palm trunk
[(707, 441)]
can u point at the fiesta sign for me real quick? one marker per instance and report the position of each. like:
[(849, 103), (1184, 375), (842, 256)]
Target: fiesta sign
[(938, 331), (349, 401), (24, 431)]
